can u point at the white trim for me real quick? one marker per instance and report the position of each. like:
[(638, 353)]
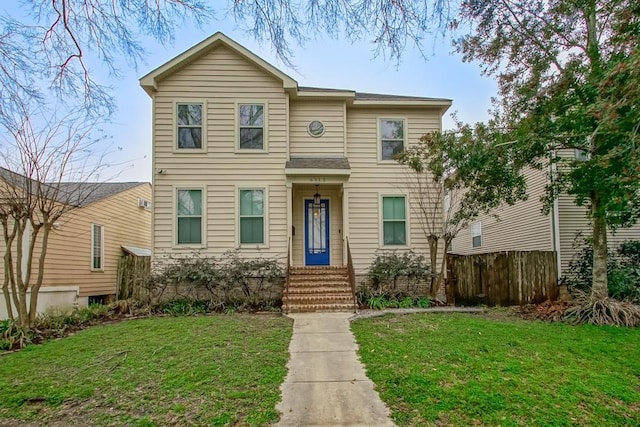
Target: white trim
[(407, 220), (93, 225), (265, 126), (174, 215), (150, 81), (405, 142), (174, 124), (265, 189)]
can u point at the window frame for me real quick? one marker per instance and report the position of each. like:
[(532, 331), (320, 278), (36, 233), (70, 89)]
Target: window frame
[(475, 234), (265, 217), (203, 217), (93, 242), (203, 126), (265, 133), (405, 132), (381, 221)]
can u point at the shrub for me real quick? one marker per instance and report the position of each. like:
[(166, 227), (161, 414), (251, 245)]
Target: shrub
[(13, 336), (623, 271), (193, 283), (388, 268), (381, 302)]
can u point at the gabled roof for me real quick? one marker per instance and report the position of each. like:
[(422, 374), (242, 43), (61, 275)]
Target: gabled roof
[(73, 193), (149, 82), (91, 192)]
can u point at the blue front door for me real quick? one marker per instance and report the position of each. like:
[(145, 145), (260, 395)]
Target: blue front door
[(316, 233)]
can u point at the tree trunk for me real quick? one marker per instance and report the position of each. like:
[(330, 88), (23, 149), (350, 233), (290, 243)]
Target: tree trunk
[(35, 289), (8, 242), (600, 287), (433, 257), (448, 290)]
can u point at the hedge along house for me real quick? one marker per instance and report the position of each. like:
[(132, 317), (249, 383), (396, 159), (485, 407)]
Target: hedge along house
[(245, 158)]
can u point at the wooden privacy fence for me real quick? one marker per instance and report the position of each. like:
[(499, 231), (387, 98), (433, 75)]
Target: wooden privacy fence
[(133, 271), (503, 278)]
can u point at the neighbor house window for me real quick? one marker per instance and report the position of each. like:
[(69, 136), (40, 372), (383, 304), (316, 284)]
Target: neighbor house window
[(189, 121), (394, 223), (391, 138), (97, 247), (476, 235), (581, 155), (189, 217), (252, 217), (251, 123)]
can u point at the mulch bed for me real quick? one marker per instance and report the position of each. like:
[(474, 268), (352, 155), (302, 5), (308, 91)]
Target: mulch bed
[(549, 311)]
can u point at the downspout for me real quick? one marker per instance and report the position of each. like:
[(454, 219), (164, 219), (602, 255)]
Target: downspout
[(555, 222)]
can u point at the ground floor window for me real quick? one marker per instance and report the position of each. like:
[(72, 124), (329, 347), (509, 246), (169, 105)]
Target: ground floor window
[(97, 246), (252, 216), (189, 216), (394, 223)]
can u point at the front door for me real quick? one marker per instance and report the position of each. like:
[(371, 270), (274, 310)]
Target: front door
[(316, 231)]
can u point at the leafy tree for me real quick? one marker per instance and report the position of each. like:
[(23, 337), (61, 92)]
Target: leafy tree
[(456, 176), (569, 79)]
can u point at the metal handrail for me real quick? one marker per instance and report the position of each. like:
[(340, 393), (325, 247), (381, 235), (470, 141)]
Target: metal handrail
[(352, 276), (285, 306)]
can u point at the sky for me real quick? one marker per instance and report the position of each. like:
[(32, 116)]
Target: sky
[(323, 62)]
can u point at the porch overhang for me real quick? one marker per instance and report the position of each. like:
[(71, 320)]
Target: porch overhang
[(313, 166), (325, 166)]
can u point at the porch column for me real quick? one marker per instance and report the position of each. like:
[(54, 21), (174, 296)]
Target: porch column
[(345, 220), (290, 219)]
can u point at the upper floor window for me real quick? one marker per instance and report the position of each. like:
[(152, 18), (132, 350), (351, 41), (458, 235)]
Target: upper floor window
[(392, 138), (251, 126), (189, 216), (394, 221), (189, 122), (97, 247)]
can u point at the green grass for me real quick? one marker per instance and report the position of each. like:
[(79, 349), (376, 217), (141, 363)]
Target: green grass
[(213, 370), (462, 370)]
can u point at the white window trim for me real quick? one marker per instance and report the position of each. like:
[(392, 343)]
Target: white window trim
[(174, 220), (379, 136), (407, 221), (265, 189), (101, 268), (265, 126), (174, 143), (477, 224)]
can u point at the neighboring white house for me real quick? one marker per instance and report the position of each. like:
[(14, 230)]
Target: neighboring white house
[(240, 150)]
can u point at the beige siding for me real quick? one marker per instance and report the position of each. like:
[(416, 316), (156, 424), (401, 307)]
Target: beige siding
[(220, 78), (331, 192), (331, 114), (573, 222), (124, 223), (371, 179), (520, 227), (68, 261)]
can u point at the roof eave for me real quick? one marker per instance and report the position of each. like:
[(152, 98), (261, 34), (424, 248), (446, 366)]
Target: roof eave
[(149, 82)]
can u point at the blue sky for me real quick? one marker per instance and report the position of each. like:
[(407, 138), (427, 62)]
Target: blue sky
[(324, 63)]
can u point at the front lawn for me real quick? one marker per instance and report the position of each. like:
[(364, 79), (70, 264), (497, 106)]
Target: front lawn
[(461, 370), (213, 370)]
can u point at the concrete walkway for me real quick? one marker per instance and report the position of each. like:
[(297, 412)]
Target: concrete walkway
[(326, 384)]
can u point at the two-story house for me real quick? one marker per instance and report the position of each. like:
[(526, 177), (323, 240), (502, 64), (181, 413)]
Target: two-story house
[(245, 158)]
